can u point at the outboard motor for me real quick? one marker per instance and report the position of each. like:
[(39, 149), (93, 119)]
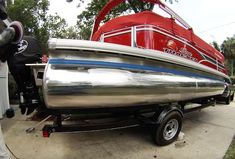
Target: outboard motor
[(28, 51)]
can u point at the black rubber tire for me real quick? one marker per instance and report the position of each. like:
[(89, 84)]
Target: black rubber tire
[(157, 132), (228, 100), (232, 97)]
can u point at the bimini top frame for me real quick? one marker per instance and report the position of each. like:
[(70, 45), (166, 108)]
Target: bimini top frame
[(112, 3)]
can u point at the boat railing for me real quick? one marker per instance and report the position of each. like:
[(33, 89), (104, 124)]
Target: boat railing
[(133, 30)]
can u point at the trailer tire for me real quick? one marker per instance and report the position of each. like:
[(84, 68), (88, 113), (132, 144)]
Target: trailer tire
[(168, 130)]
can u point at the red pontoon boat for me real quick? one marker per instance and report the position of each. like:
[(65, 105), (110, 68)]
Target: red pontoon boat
[(131, 60), (141, 68), (134, 65)]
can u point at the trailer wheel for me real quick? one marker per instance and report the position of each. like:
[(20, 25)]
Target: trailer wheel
[(168, 130)]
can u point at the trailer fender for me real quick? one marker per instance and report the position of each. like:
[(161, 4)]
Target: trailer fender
[(166, 111)]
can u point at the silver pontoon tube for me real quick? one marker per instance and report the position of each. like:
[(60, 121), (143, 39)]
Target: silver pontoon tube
[(78, 76)]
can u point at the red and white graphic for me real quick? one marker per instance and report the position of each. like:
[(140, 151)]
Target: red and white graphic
[(172, 45)]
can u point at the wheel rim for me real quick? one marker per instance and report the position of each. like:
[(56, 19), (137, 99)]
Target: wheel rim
[(170, 129)]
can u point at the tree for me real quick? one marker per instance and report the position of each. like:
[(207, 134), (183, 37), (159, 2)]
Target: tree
[(228, 49), (56, 26), (86, 18), (216, 46), (71, 33)]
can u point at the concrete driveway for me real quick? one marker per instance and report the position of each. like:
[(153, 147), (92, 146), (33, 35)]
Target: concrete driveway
[(208, 134)]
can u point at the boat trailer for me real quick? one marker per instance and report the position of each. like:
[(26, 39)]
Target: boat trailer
[(164, 121)]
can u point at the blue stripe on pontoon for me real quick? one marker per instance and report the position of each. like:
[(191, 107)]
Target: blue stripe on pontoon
[(125, 65)]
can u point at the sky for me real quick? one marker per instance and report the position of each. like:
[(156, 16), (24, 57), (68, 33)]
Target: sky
[(211, 20)]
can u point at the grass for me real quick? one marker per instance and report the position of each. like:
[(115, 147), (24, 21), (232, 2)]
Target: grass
[(230, 154)]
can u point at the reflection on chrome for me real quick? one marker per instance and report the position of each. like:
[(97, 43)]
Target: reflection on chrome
[(81, 86)]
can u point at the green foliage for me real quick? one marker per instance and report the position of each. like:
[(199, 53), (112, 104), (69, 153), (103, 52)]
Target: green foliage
[(228, 49), (230, 154), (28, 12), (57, 23), (86, 18), (216, 46), (139, 6), (71, 33)]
